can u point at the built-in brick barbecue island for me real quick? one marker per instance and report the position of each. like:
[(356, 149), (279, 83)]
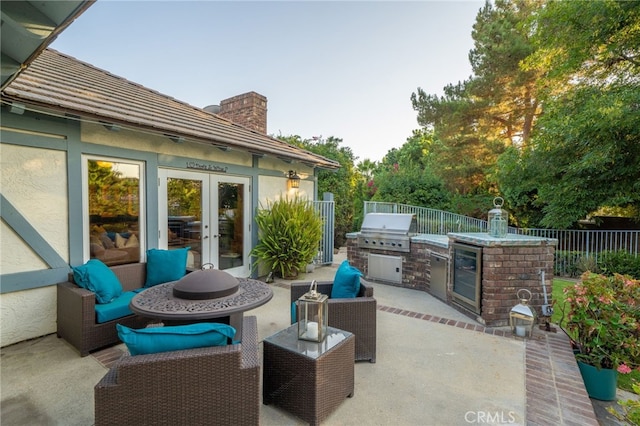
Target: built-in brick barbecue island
[(474, 272)]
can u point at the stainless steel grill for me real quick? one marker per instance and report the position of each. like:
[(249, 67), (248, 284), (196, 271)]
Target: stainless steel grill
[(387, 231)]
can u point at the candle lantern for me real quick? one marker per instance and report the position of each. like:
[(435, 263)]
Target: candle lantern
[(498, 219), (522, 317), (312, 315)]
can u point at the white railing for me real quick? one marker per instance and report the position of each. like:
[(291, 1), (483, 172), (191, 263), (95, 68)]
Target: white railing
[(576, 248), (430, 221)]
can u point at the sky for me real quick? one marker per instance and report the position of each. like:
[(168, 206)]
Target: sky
[(327, 68)]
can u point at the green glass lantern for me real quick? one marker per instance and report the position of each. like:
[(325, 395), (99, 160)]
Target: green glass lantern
[(498, 219)]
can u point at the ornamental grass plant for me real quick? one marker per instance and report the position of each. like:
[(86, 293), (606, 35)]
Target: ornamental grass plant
[(602, 318), (289, 232)]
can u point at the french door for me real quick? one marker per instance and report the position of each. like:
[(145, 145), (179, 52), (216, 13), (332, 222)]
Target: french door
[(210, 213)]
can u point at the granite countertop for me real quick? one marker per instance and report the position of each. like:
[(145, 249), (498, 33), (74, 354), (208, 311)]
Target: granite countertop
[(484, 239), (476, 238), (435, 239)]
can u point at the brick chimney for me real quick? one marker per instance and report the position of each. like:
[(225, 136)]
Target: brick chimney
[(248, 110)]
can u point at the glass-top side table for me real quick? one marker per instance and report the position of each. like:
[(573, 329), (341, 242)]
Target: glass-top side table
[(288, 339), (308, 379)]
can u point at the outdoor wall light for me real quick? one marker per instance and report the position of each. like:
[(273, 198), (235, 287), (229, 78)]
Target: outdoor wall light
[(294, 179)]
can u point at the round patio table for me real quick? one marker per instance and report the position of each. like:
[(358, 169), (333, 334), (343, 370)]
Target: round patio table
[(158, 302)]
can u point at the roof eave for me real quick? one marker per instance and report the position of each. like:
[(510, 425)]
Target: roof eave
[(41, 107)]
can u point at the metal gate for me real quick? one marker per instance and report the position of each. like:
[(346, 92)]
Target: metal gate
[(326, 209)]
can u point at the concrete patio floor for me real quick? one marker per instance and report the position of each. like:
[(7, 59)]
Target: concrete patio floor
[(435, 366)]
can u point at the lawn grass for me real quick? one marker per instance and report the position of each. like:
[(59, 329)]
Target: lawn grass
[(558, 297), (624, 380)]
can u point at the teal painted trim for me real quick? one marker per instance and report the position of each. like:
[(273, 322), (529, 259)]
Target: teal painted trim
[(28, 233), (74, 183), (33, 141), (75, 152), (255, 202), (152, 205), (41, 131), (33, 279)]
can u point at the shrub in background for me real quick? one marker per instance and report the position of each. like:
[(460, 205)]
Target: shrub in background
[(619, 262)]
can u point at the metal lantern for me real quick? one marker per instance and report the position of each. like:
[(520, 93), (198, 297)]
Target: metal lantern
[(522, 317), (498, 219), (313, 310)]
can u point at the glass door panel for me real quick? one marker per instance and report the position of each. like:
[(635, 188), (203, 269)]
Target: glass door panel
[(208, 213), (230, 224), (184, 217)]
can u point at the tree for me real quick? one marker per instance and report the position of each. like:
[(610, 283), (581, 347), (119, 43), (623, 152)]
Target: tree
[(365, 189), (507, 93), (340, 182), (587, 154), (405, 175), (475, 120), (586, 151)]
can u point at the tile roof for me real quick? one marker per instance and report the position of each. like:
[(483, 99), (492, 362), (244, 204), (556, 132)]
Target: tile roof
[(63, 83)]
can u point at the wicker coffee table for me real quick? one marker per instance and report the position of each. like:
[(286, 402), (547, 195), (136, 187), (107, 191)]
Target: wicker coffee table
[(308, 379)]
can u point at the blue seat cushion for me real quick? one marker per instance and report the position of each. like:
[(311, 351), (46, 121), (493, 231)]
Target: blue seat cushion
[(165, 265), (95, 276), (346, 283), (115, 309), (174, 338)]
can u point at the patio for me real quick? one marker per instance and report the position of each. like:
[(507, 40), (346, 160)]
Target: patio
[(435, 366)]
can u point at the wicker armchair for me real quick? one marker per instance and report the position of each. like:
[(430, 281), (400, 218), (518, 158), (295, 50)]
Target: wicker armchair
[(357, 315), (217, 385), (77, 314)]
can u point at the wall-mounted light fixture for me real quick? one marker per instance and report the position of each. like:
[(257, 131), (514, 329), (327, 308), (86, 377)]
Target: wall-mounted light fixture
[(294, 179)]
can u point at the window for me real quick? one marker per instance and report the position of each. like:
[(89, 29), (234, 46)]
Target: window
[(113, 225)]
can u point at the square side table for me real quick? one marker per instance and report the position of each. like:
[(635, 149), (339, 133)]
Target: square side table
[(308, 379)]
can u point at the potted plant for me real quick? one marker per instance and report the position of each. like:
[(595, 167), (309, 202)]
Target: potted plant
[(603, 322), (289, 232)]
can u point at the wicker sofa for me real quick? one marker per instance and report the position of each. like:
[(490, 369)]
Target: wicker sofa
[(217, 385), (77, 316), (356, 315)]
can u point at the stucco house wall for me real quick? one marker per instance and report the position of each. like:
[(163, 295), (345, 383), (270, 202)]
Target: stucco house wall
[(42, 150)]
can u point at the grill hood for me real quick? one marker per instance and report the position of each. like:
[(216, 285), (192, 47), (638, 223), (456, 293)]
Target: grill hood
[(387, 231), (389, 223)]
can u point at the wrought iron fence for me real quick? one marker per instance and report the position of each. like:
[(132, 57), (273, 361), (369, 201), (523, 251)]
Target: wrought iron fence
[(577, 250)]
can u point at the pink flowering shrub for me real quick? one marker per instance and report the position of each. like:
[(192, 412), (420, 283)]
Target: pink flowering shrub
[(603, 320)]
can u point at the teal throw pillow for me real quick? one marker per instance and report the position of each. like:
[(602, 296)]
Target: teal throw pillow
[(174, 338), (165, 265), (95, 276), (346, 283)]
